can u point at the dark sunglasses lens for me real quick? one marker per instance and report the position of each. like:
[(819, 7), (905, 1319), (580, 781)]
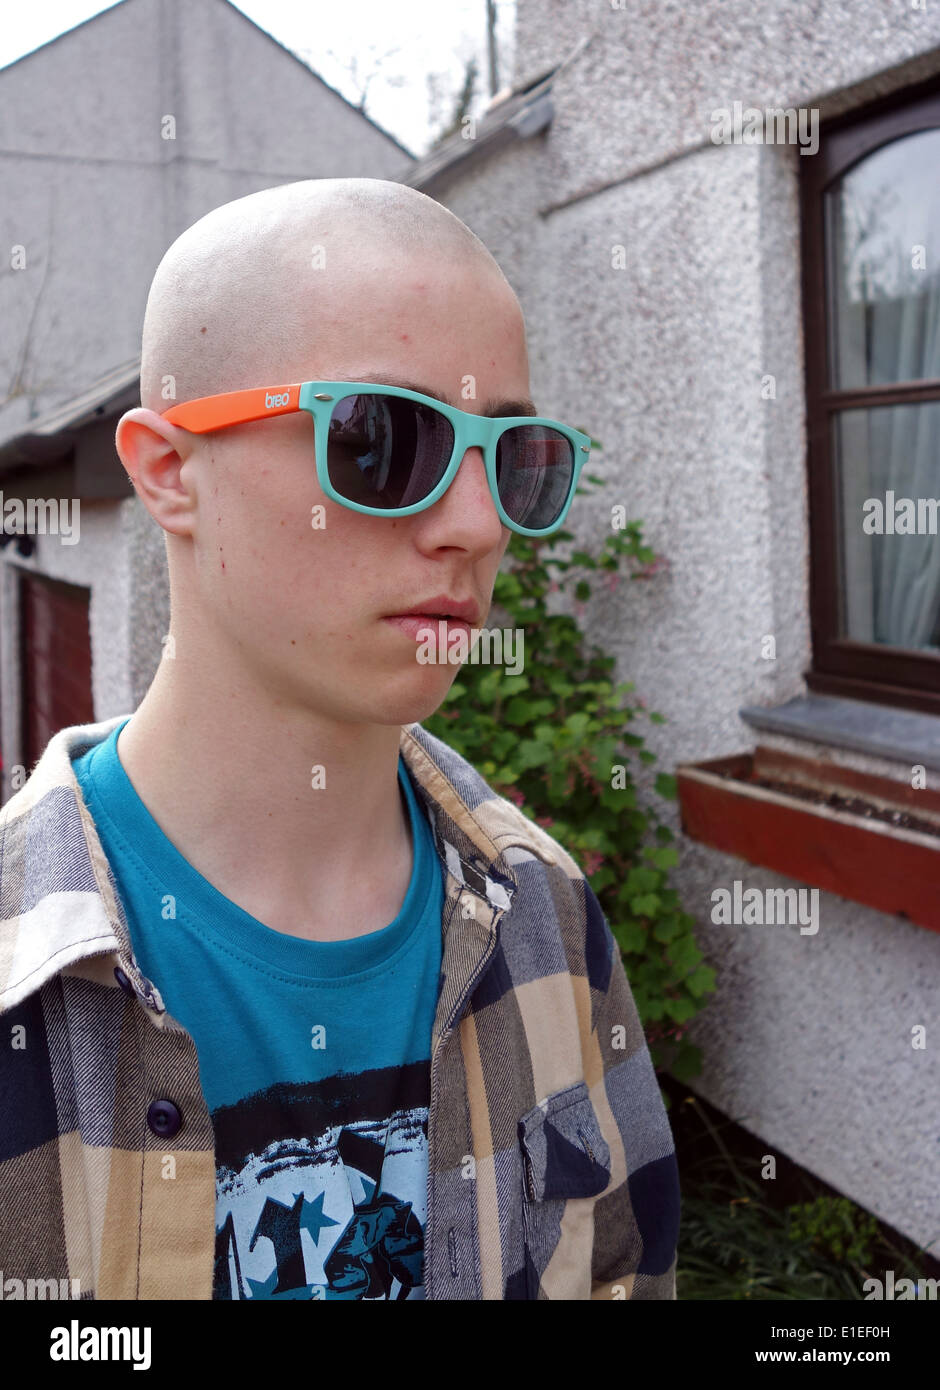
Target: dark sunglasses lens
[(387, 451), (534, 469)]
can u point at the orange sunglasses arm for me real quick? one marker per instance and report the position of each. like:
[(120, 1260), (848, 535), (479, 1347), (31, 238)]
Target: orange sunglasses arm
[(234, 408)]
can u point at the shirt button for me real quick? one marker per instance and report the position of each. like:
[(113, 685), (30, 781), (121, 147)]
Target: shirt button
[(148, 996), (123, 981), (164, 1118)]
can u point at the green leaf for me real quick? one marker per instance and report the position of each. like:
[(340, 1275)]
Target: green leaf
[(641, 880), (518, 711), (601, 879), (667, 786), (532, 753), (645, 906), (489, 684), (630, 937), (666, 929), (687, 1063), (701, 981), (684, 954), (577, 723), (680, 1010)]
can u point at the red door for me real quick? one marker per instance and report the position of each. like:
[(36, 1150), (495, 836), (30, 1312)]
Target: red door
[(55, 660)]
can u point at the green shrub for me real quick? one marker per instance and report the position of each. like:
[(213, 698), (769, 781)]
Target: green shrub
[(738, 1240), (832, 1227), (562, 743)]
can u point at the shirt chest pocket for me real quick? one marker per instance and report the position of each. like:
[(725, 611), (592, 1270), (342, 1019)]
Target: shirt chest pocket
[(565, 1158)]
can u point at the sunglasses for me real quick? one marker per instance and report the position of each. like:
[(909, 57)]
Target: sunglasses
[(386, 451)]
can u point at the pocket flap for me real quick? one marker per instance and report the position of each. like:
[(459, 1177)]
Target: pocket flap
[(565, 1153)]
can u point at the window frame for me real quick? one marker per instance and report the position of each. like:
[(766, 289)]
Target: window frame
[(841, 666)]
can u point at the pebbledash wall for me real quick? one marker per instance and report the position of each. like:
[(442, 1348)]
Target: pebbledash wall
[(807, 1041)]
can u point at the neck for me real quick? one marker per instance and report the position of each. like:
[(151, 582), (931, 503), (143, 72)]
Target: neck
[(295, 817)]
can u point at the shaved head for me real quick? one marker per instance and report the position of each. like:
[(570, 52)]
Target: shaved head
[(243, 289), (279, 595)]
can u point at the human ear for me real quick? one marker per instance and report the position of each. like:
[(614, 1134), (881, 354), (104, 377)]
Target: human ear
[(154, 453)]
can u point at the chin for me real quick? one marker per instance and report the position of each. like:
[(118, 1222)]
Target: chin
[(411, 707)]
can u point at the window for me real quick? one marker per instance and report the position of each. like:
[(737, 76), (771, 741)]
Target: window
[(871, 239)]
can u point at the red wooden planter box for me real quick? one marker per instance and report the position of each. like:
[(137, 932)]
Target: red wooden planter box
[(850, 852)]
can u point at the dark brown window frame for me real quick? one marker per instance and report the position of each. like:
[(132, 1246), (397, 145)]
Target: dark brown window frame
[(884, 674)]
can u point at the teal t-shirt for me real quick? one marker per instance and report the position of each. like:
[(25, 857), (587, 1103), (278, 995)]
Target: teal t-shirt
[(314, 1058)]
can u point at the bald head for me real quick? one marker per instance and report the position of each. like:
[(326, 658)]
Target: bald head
[(278, 592), (254, 292)]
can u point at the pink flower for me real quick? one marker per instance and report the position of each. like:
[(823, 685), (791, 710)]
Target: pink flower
[(593, 859)]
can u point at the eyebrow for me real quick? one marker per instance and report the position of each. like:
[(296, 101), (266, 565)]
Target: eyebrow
[(492, 407)]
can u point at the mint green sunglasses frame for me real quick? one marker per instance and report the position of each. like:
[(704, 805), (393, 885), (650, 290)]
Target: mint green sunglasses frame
[(319, 398)]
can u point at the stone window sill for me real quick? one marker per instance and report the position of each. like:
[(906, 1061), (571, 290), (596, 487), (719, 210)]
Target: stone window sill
[(903, 736)]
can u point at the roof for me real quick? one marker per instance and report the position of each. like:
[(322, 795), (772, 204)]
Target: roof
[(52, 435), (525, 111)]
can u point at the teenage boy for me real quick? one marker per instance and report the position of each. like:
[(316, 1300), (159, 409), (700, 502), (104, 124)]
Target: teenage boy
[(293, 1005)]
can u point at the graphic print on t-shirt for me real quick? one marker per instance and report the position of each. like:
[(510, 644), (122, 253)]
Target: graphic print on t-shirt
[(336, 1213)]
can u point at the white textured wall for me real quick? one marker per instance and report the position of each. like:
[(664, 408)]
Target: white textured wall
[(808, 1039)]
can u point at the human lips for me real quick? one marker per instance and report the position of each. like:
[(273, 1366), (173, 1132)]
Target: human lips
[(457, 615), (465, 610), (417, 625)]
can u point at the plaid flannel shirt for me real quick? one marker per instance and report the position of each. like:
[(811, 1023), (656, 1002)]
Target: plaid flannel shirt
[(552, 1171)]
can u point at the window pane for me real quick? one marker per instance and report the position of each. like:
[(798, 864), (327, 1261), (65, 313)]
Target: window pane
[(884, 294), (888, 501)]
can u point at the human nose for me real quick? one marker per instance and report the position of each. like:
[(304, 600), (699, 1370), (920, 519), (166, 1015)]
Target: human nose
[(468, 506)]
